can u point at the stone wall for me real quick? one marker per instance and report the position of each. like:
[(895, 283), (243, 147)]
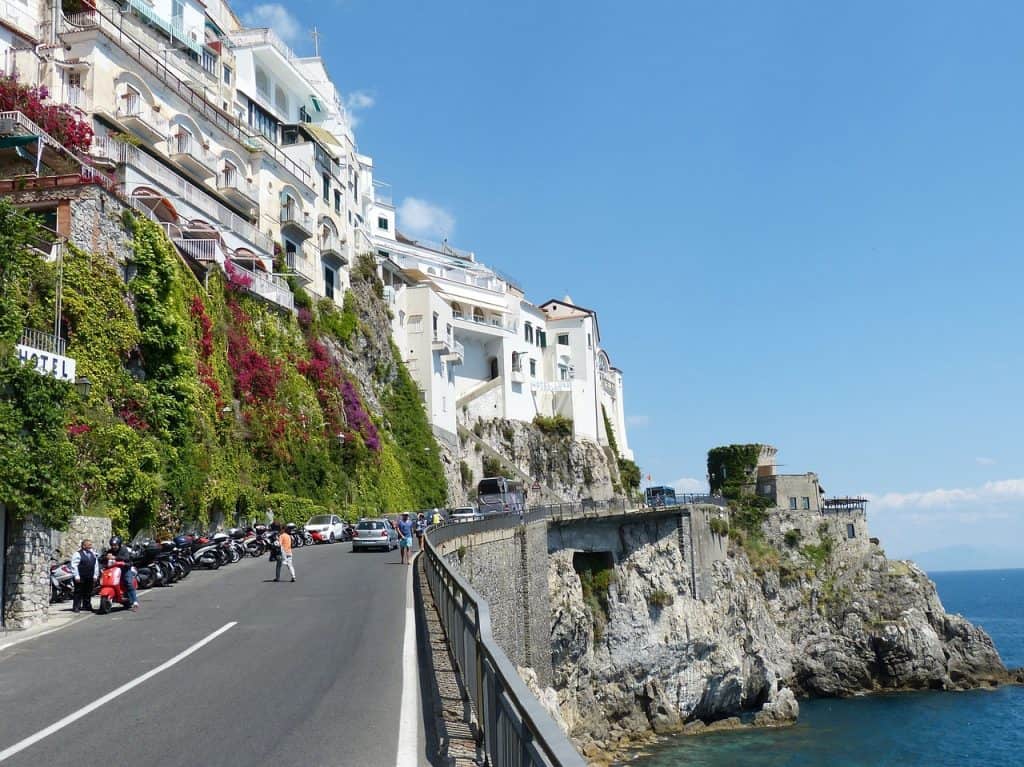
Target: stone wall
[(27, 574), (813, 525), (96, 529), (508, 568)]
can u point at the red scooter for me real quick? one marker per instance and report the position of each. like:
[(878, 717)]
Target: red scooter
[(112, 587)]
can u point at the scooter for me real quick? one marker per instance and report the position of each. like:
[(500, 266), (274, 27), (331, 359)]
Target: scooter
[(112, 589), (62, 580)]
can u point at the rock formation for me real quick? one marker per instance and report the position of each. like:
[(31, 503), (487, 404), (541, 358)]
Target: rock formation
[(778, 622)]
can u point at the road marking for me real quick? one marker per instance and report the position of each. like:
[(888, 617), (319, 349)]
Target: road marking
[(408, 722), (21, 745), (42, 633)]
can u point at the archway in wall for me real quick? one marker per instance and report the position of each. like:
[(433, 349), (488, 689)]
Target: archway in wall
[(493, 362)]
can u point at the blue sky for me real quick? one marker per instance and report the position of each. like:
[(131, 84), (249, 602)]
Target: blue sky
[(800, 222)]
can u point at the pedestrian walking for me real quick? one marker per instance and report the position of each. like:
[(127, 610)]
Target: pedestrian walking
[(284, 556), (437, 516), (405, 528), (85, 566), (420, 530)]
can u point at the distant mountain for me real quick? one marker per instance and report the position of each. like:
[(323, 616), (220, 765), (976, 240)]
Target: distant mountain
[(967, 557)]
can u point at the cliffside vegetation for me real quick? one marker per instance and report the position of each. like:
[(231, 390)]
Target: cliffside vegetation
[(629, 472), (206, 403)]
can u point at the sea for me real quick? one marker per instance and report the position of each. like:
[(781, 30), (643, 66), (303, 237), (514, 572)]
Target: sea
[(961, 729)]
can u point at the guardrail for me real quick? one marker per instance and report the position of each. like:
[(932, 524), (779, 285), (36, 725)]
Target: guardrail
[(517, 730)]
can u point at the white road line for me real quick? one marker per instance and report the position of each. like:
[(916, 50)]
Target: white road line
[(408, 722), (21, 745), (40, 634)]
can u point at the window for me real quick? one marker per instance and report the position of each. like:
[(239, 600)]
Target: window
[(851, 531), (382, 223), (262, 84), (542, 339), (590, 344), (415, 323), (563, 372), (328, 282), (533, 368), (261, 120), (517, 362), (528, 332), (805, 502), (337, 201), (792, 502), (327, 188), (227, 74), (563, 339), (435, 325), (177, 12)]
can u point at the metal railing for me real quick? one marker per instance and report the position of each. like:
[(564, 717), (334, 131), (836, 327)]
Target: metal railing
[(517, 730), (494, 322), (45, 342), (200, 249), (188, 145), (107, 18), (233, 179), (272, 288), (302, 264), (177, 187), (262, 36), (136, 107)]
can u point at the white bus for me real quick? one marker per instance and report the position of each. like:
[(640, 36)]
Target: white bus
[(498, 494)]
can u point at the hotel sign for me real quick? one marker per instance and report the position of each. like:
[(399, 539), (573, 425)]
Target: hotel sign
[(47, 363), (551, 386)]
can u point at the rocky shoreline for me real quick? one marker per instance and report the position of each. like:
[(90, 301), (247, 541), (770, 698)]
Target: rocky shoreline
[(650, 659)]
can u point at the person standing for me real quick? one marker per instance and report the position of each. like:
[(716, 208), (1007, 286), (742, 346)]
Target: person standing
[(284, 556), (420, 530), (85, 566), (437, 516), (405, 528)]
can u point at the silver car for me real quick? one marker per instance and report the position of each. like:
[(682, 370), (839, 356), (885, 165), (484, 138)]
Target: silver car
[(374, 534)]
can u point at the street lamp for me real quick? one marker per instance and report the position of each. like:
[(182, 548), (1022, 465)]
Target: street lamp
[(83, 386), (340, 436)]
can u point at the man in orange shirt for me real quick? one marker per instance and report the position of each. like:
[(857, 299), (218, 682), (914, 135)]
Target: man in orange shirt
[(285, 555)]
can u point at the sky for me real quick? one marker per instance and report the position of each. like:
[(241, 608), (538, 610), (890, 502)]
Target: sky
[(800, 223)]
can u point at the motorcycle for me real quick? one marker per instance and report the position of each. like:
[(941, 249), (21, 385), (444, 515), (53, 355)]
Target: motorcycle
[(112, 589), (62, 580)]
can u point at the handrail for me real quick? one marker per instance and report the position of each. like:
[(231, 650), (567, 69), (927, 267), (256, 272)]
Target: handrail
[(516, 729), (195, 99)]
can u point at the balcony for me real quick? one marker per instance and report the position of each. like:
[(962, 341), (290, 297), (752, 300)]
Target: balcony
[(295, 223), (191, 156), (443, 341), (237, 189), (457, 354), (302, 264), (140, 118), (389, 295), (204, 251), (332, 247), (270, 288), (517, 374), (485, 323)]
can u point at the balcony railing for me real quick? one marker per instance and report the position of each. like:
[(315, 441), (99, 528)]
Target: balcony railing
[(206, 251), (177, 187), (185, 148), (233, 182), (135, 108), (264, 36), (44, 342), (494, 322), (299, 221), (272, 288), (108, 19), (382, 192), (302, 263)]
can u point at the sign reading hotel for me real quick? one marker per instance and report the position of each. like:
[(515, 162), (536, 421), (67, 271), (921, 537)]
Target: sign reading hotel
[(47, 363)]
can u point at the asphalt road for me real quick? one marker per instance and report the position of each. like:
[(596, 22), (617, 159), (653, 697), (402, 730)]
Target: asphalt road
[(311, 674)]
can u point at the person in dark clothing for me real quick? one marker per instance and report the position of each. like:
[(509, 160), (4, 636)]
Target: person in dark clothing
[(86, 568), (122, 554)]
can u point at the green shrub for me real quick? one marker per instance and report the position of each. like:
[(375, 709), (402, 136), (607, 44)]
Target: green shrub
[(492, 467), (555, 426), (793, 537), (731, 468), (629, 472), (660, 598), (719, 526), (821, 553), (465, 473), (478, 428)]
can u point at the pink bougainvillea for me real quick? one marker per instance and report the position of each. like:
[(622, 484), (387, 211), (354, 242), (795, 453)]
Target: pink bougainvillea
[(358, 419), (59, 120), (238, 281), (74, 429)]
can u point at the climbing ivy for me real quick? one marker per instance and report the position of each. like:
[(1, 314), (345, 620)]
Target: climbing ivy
[(731, 468)]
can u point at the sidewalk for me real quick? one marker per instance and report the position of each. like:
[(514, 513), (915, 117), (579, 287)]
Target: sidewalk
[(59, 618)]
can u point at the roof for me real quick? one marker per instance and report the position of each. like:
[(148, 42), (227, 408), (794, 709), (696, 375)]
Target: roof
[(578, 311)]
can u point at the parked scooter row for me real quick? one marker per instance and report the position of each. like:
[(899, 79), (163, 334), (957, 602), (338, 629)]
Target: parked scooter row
[(163, 563)]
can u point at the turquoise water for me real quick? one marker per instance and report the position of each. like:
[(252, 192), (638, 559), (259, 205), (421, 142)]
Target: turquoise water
[(983, 728)]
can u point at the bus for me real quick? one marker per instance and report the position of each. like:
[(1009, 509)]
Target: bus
[(499, 494), (660, 497)]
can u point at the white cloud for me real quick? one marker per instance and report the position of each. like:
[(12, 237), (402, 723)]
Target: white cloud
[(942, 498), (425, 219), (276, 17), (690, 485), (638, 420), (356, 102), (983, 461)]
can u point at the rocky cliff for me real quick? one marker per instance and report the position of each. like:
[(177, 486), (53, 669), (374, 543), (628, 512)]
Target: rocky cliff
[(635, 652), (566, 469)]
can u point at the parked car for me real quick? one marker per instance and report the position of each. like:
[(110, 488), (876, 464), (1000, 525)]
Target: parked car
[(331, 527), (374, 534), (463, 514)]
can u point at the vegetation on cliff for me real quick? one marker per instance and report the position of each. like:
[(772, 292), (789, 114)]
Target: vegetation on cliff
[(206, 403)]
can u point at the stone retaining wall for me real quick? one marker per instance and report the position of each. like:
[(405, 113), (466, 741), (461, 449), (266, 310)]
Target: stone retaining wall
[(27, 574)]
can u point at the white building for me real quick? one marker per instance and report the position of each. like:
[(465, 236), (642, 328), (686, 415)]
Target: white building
[(493, 353)]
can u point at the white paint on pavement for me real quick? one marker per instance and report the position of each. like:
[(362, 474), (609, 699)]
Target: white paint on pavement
[(408, 722), (21, 745)]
